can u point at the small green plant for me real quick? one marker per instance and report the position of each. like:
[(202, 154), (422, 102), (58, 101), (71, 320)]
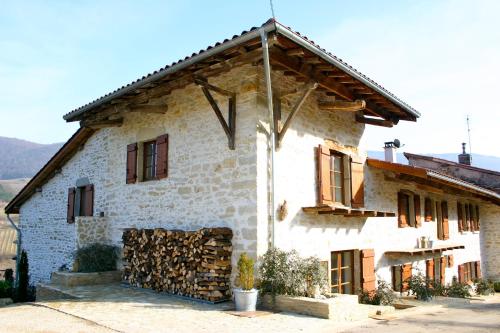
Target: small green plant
[(484, 287), (496, 286), (245, 268), (5, 289), (420, 286), (383, 295), (457, 289), (9, 275), (96, 258)]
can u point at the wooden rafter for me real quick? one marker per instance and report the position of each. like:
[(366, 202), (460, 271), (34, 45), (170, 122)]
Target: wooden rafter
[(102, 123), (229, 127), (307, 89), (355, 106)]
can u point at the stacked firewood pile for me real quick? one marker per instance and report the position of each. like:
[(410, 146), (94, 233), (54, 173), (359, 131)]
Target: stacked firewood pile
[(189, 263)]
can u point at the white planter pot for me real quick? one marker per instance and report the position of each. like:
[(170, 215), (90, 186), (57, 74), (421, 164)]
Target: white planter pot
[(245, 300)]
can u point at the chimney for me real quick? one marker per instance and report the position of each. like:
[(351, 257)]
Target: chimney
[(390, 152), (464, 158)]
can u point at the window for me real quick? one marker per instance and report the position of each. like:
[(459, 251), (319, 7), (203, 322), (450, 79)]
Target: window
[(340, 178), (409, 210), (342, 272), (149, 160), (467, 217), (469, 271), (80, 202), (337, 177), (430, 214), (400, 276)]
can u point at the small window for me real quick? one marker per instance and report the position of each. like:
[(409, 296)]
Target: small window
[(149, 160), (342, 272), (400, 276), (409, 209)]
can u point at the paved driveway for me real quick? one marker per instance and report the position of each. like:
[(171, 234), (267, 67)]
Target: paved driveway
[(116, 308)]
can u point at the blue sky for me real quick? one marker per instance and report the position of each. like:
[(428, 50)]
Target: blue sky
[(441, 57)]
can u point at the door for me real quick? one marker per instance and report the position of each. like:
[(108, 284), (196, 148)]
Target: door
[(342, 272)]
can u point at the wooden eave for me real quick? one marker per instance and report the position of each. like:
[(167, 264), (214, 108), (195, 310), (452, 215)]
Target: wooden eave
[(431, 179), (422, 251), (346, 211), (52, 167), (289, 52)]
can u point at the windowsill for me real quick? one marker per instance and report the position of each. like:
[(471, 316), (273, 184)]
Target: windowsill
[(345, 211)]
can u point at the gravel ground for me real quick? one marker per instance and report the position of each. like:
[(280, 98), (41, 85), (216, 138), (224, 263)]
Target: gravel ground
[(115, 308)]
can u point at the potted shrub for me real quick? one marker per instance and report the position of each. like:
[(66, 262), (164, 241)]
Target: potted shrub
[(245, 297)]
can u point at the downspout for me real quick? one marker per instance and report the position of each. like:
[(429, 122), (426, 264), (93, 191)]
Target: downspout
[(272, 140), (18, 251)]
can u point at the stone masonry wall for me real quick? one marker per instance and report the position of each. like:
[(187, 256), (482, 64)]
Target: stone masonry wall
[(490, 242), (90, 230), (208, 184)]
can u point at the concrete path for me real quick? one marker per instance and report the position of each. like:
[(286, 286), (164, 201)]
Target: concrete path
[(119, 309)]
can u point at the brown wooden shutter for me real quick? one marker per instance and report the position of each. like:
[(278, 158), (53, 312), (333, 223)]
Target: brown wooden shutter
[(131, 163), (402, 204), (71, 205), (428, 209), (162, 156), (405, 276), (477, 218), (461, 277), (460, 217), (367, 258), (478, 269), (88, 210), (429, 269), (442, 271), (472, 217), (357, 182), (445, 225), (467, 217), (450, 260), (324, 181), (418, 212)]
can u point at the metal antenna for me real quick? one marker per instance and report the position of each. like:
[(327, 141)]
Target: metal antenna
[(272, 8), (468, 132)]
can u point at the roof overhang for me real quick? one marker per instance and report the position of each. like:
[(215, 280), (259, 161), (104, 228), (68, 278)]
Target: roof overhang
[(438, 181), (380, 102), (52, 167)]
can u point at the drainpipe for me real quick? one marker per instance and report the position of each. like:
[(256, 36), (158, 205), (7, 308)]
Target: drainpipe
[(272, 142), (18, 251)]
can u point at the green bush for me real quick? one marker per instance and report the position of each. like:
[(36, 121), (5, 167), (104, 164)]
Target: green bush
[(420, 286), (245, 268), (496, 286), (484, 287), (5, 289), (286, 273), (383, 295), (96, 258), (457, 289)]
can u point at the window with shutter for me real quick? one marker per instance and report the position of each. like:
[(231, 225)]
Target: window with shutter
[(162, 156), (478, 269), (477, 218), (428, 210), (416, 207), (467, 217), (342, 272), (403, 209), (443, 227), (367, 258), (461, 274), (131, 163), (450, 260), (472, 217), (71, 205)]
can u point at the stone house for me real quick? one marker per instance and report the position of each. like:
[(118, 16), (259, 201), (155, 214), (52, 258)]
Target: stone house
[(265, 122)]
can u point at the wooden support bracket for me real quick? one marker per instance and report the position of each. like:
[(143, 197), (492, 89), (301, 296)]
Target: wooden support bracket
[(102, 123), (279, 133), (229, 127)]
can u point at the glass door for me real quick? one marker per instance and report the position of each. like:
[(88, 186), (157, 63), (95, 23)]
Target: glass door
[(342, 272)]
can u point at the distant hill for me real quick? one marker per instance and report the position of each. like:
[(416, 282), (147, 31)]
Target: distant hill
[(480, 161), (22, 159)]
